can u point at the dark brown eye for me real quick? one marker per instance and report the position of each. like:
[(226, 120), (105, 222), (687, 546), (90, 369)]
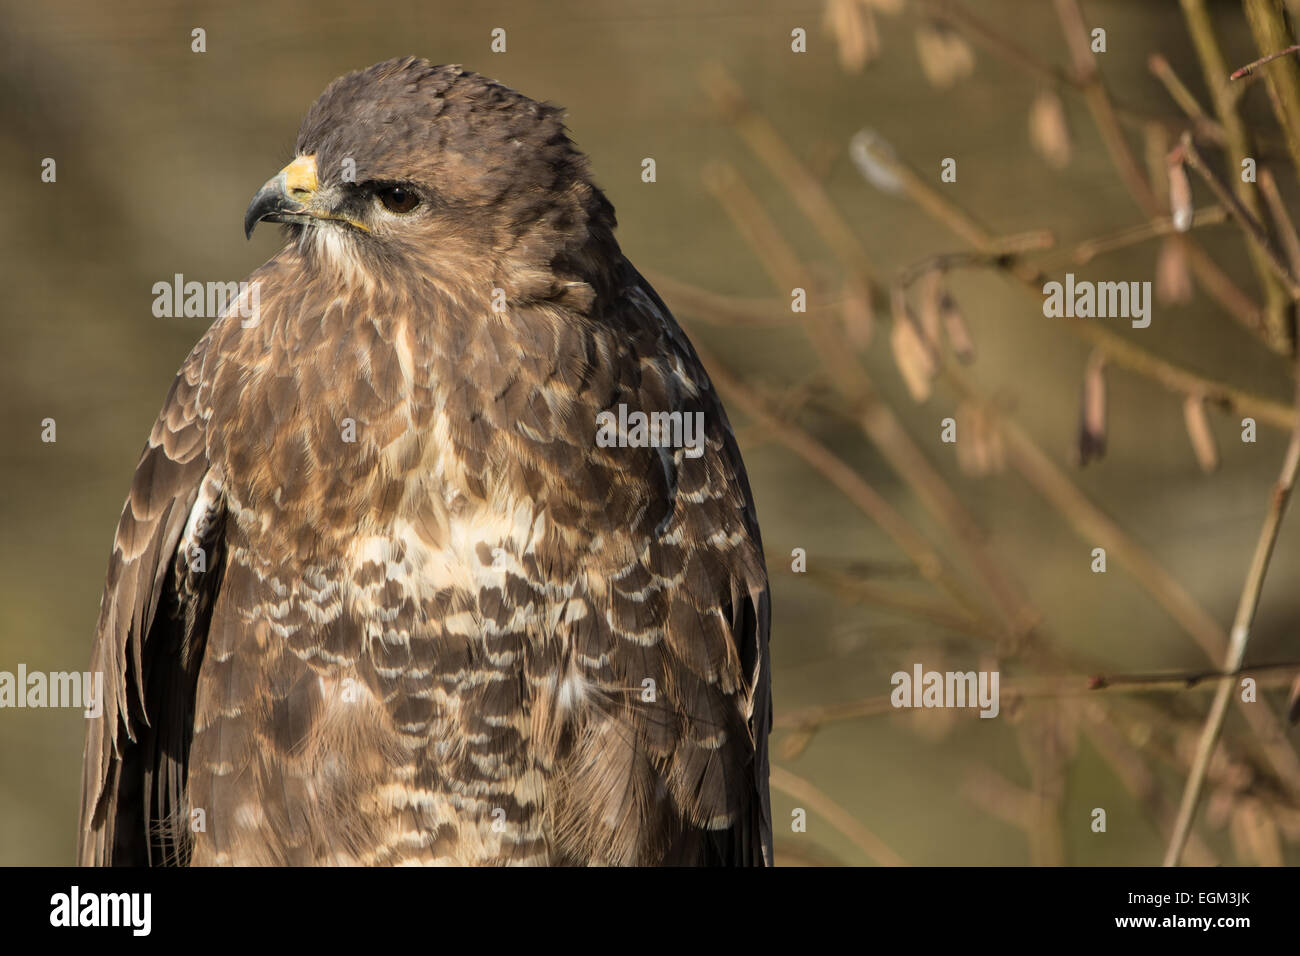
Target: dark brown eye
[(398, 200)]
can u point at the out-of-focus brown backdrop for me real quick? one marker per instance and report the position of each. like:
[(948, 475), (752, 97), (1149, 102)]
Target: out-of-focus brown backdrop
[(159, 149)]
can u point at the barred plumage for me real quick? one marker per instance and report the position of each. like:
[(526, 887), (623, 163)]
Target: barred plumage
[(427, 604)]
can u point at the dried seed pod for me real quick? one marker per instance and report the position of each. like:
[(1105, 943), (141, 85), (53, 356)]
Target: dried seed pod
[(1180, 194), (929, 295), (871, 33), (1199, 431), (980, 448), (1092, 416), (1049, 133), (876, 161), (945, 55), (955, 327), (1293, 705), (858, 315), (1173, 276), (853, 25), (914, 360)]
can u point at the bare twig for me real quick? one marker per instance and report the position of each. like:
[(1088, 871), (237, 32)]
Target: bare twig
[(1255, 232), (1101, 107), (1236, 652), (804, 187), (1111, 742), (836, 816), (857, 590), (1162, 70), (1089, 249), (1282, 78), (1281, 218), (1052, 688), (1211, 277), (731, 310), (1093, 525), (1003, 46), (928, 562), (1254, 65), (1118, 350), (1183, 678), (1239, 145), (875, 418), (1096, 527)]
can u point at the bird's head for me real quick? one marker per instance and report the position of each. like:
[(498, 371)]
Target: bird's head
[(407, 164)]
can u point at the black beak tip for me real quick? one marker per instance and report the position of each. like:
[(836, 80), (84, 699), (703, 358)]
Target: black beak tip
[(269, 202)]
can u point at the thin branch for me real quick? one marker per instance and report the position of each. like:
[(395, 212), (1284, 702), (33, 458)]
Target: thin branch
[(1162, 70), (834, 469), (1212, 278), (836, 816), (1101, 107), (1114, 746), (1036, 812), (1246, 609), (1043, 688), (1183, 679), (1118, 350), (1097, 528), (1281, 218), (876, 419), (1282, 78), (855, 590), (999, 44), (1093, 525), (1255, 233), (804, 187), (1239, 145), (1254, 65), (732, 310), (1089, 249)]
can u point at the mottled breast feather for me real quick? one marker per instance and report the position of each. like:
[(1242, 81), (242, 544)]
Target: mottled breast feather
[(434, 621)]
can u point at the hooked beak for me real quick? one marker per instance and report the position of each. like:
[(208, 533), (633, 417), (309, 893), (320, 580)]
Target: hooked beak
[(291, 196)]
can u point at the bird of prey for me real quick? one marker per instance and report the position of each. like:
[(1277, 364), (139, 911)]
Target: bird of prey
[(379, 593)]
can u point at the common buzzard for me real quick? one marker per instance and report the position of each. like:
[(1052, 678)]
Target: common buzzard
[(380, 592)]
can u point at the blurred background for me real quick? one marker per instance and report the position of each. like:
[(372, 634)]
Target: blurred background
[(954, 556)]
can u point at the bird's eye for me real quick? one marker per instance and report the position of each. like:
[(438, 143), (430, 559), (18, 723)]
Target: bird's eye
[(398, 200)]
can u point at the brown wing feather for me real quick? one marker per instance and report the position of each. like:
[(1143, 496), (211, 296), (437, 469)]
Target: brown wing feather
[(673, 572), (148, 643), (725, 585)]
